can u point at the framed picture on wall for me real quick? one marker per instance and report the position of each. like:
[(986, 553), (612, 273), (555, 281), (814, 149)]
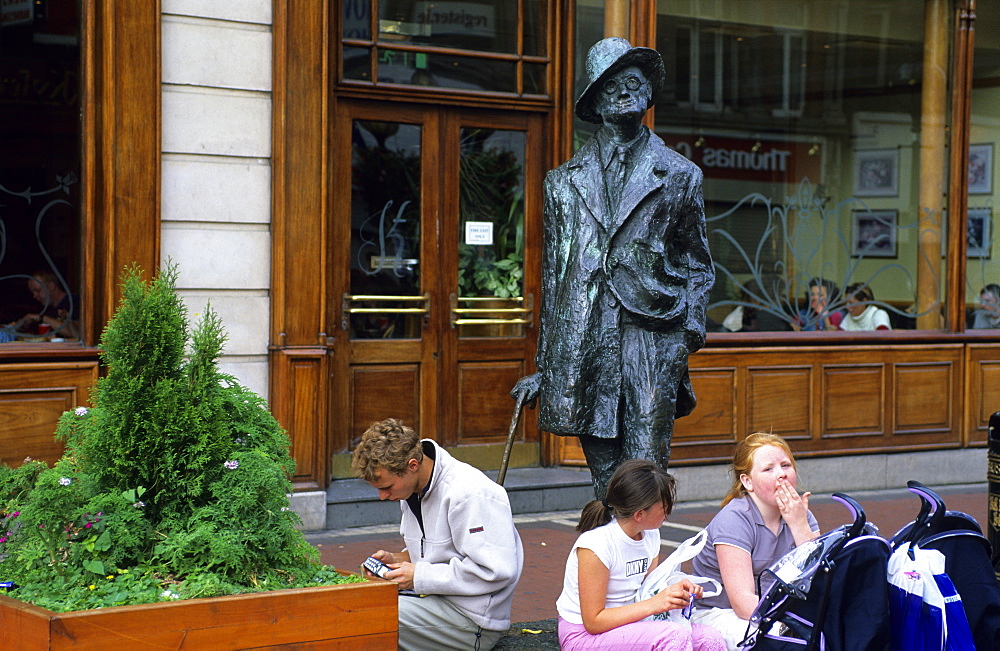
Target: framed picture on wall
[(873, 234), (876, 173), (978, 234), (981, 169)]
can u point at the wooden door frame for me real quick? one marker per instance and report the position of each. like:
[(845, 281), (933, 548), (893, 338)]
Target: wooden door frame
[(427, 348), (122, 117), (453, 346)]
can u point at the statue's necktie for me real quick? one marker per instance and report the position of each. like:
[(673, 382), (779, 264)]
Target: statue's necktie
[(617, 173)]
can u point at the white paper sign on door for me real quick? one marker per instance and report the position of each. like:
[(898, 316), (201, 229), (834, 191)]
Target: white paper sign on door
[(479, 233)]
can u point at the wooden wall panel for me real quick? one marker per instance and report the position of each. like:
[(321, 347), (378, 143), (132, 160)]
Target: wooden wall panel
[(982, 392), (835, 399), (32, 398), (780, 400), (299, 402), (714, 420), (923, 397), (378, 392), (28, 420), (485, 408), (852, 397)]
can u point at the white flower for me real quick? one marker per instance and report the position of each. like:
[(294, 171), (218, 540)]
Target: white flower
[(232, 465), (167, 594), (65, 481), (81, 411)]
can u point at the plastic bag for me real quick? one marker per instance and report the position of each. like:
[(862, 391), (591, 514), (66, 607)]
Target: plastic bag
[(668, 572), (925, 610)]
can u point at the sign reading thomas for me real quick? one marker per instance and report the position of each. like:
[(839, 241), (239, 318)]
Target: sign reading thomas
[(626, 275)]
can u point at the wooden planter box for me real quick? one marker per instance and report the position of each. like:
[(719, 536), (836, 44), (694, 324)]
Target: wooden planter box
[(350, 616)]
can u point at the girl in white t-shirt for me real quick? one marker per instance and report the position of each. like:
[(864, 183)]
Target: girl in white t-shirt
[(618, 546)]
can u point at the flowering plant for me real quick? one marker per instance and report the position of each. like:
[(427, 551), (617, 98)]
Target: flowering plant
[(173, 485)]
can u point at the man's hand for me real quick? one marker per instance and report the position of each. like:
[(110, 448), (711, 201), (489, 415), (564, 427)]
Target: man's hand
[(526, 389), (694, 339), (401, 575)]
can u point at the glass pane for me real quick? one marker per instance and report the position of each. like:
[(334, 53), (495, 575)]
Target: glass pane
[(357, 63), (385, 230), (357, 19), (536, 28), (447, 71), (983, 267), (534, 79), (489, 26), (491, 223), (807, 121), (40, 253)]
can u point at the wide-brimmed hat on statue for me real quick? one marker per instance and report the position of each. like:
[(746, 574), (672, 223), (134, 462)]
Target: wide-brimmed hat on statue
[(606, 58)]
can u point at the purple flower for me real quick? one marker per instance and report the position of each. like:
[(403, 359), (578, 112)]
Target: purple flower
[(81, 411), (232, 465)]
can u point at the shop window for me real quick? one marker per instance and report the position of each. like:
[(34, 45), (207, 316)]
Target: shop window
[(808, 125), (474, 47), (982, 255), (40, 258)]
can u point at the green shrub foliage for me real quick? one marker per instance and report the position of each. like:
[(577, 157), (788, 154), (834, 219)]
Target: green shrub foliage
[(173, 485)]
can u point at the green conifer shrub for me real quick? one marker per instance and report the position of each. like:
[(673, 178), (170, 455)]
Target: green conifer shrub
[(173, 485)]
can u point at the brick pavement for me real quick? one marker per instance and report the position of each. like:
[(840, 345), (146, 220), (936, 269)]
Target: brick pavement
[(547, 538)]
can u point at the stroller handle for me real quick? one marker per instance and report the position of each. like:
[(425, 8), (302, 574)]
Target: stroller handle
[(857, 513), (931, 510)]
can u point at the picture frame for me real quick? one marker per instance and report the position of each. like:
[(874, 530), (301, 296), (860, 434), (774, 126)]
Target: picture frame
[(876, 173), (873, 233), (979, 223), (981, 168)]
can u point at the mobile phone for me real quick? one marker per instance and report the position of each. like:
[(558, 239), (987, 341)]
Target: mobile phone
[(376, 567)]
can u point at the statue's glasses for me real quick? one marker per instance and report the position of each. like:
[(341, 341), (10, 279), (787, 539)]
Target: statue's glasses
[(631, 82)]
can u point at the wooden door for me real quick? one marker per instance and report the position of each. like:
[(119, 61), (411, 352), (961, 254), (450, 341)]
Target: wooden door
[(434, 249)]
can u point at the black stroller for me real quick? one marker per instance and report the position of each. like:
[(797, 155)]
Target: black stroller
[(842, 572), (966, 563)]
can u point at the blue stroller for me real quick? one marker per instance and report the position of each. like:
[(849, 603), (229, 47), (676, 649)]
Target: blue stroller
[(960, 608), (841, 572)]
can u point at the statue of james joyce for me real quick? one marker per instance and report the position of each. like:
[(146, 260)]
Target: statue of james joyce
[(626, 275)]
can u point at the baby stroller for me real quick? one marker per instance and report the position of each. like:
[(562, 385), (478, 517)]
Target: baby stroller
[(948, 549), (841, 572)]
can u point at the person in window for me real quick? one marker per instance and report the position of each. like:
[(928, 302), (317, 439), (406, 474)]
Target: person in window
[(817, 317), (763, 517), (752, 315), (988, 314), (862, 314), (60, 310)]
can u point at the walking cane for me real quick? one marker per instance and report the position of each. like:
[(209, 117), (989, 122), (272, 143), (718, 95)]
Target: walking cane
[(510, 439)]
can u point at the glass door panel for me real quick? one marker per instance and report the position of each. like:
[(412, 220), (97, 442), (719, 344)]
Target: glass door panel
[(385, 300), (491, 233)]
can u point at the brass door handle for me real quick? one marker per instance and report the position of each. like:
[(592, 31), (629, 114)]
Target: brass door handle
[(521, 306), (348, 301)]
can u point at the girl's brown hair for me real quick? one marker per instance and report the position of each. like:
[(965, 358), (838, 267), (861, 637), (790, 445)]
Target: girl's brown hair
[(636, 484), (743, 460)]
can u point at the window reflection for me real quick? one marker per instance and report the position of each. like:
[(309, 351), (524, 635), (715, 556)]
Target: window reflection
[(488, 45), (983, 268), (806, 120), (385, 230), (39, 172)]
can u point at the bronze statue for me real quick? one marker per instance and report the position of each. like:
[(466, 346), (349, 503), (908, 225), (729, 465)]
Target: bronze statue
[(626, 275)]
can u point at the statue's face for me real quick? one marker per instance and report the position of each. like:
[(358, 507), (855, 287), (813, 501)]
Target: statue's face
[(624, 97)]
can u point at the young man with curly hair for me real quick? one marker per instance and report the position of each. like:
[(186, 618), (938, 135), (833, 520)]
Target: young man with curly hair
[(463, 555)]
